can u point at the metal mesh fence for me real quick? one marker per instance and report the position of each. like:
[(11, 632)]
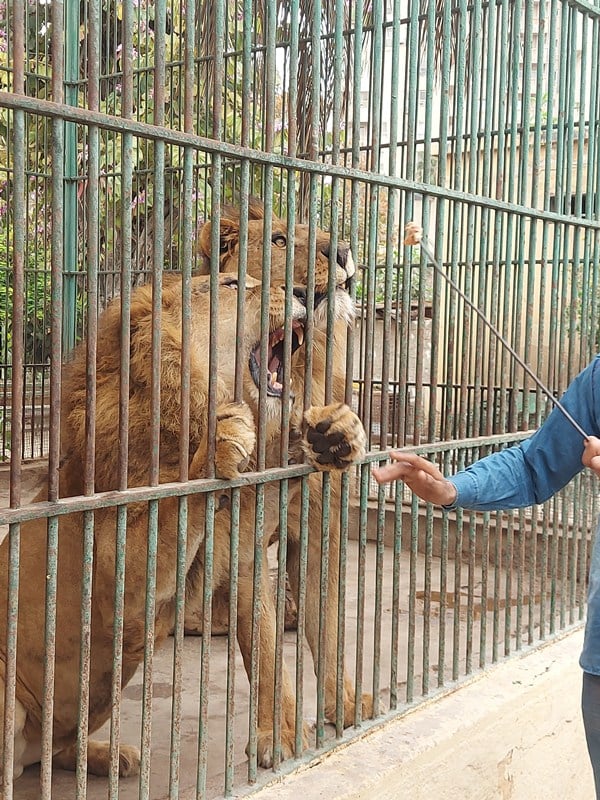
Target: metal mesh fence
[(133, 139)]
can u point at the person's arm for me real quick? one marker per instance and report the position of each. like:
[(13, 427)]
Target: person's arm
[(517, 476)]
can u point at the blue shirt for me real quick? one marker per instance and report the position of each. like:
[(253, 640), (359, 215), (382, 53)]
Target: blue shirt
[(537, 468), (534, 470)]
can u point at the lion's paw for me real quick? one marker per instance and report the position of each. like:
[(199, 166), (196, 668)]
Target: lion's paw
[(98, 759), (236, 439), (335, 438), (129, 761), (264, 745), (366, 709)]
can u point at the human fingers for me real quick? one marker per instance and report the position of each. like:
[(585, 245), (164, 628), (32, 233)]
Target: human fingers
[(420, 475), (388, 472), (591, 454), (413, 461)]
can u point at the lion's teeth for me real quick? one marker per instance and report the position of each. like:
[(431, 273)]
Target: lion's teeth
[(300, 335)]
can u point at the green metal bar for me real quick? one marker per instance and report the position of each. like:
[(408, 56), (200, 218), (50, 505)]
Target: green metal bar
[(280, 620), (475, 248), (231, 643), (54, 110), (508, 582), (158, 212), (360, 599), (70, 247), (93, 235), (121, 518), (259, 545), (427, 600), (301, 608), (456, 627), (412, 593), (184, 444), (341, 619), (16, 450), (485, 560), (209, 532), (520, 569), (323, 600), (395, 637), (444, 546)]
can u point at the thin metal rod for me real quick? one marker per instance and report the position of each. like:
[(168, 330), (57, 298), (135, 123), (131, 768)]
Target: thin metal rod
[(430, 255)]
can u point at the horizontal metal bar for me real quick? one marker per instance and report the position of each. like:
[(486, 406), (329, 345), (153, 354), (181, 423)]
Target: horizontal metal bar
[(141, 494), (83, 116), (587, 8)]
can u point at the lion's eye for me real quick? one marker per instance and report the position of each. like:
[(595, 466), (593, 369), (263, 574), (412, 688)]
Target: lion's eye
[(279, 240)]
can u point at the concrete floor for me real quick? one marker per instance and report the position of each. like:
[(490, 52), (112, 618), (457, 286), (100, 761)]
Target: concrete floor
[(64, 787)]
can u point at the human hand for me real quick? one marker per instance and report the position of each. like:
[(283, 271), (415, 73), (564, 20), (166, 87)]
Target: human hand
[(421, 476), (591, 454)]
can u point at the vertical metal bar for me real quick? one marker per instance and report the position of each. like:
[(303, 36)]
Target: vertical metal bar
[(205, 653), (485, 277), (58, 145), (216, 179), (499, 223), (301, 626), (125, 294), (458, 546), (395, 637), (360, 599), (90, 419), (184, 439), (427, 599), (154, 422), (510, 536), (240, 364), (71, 90), (341, 619), (470, 596), (549, 231), (485, 560), (231, 643), (412, 594), (16, 447), (461, 270), (443, 590), (520, 569), (475, 250), (280, 620)]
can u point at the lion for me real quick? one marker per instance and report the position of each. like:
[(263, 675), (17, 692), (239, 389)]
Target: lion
[(343, 264), (332, 428)]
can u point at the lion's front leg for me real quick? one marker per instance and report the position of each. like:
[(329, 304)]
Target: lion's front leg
[(98, 759), (266, 668), (235, 440), (234, 443), (335, 438), (313, 599)]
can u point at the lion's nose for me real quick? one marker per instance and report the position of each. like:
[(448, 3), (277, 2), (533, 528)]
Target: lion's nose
[(300, 293), (344, 257)]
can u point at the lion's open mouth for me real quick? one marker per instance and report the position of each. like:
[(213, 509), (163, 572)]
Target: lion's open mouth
[(275, 357)]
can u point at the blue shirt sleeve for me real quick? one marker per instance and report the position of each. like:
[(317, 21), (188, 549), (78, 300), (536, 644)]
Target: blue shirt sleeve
[(537, 468)]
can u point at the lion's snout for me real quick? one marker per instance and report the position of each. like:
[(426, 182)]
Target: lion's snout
[(343, 256)]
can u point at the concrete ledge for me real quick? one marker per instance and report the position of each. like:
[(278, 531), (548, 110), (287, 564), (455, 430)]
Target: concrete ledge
[(514, 732)]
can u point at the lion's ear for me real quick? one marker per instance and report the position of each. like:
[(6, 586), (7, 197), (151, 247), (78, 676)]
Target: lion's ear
[(256, 209), (230, 235)]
